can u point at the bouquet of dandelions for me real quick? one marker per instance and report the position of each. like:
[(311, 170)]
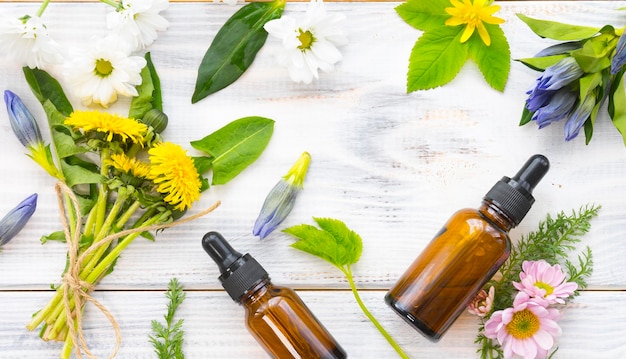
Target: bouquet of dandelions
[(520, 307), (117, 180)]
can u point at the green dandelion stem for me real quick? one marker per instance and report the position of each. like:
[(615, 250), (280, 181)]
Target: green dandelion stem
[(42, 8)]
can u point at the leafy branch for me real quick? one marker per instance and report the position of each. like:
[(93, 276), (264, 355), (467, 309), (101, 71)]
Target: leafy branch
[(341, 247), (168, 339)]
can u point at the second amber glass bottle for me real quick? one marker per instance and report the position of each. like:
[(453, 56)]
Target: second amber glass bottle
[(276, 316), (464, 255)]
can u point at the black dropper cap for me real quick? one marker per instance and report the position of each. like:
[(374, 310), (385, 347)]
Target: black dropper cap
[(239, 273), (514, 195)]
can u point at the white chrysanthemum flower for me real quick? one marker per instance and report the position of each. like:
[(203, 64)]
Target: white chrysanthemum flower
[(137, 21), (310, 44), (26, 41), (101, 72)]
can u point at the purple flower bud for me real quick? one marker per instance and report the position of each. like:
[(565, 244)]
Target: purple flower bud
[(22, 121), (560, 74), (619, 59), (17, 218), (578, 118), (560, 105)]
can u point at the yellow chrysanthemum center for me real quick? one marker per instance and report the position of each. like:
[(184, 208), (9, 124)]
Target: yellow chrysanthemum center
[(523, 325), (103, 67), (132, 166), (473, 15), (110, 124), (306, 39), (545, 286), (175, 175)]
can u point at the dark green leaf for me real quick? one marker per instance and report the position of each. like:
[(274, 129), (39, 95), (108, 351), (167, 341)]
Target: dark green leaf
[(235, 46), (541, 63), (558, 31), (617, 105), (424, 15), (494, 61), (148, 93), (436, 58), (45, 87), (235, 146), (203, 163), (526, 116)]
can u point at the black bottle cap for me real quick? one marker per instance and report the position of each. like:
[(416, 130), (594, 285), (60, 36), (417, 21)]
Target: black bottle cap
[(514, 195), (239, 273)]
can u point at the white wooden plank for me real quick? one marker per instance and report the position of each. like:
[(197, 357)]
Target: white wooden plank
[(393, 166), (214, 327)]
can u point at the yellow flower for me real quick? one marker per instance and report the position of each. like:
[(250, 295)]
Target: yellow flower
[(132, 166), (110, 124), (473, 14), (175, 175)]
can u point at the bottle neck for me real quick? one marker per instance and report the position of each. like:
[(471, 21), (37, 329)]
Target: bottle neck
[(495, 215), (257, 292)]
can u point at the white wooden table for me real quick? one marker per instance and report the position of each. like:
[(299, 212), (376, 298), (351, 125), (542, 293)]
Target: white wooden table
[(393, 166)]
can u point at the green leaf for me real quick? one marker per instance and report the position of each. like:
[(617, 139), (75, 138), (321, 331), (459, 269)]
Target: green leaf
[(149, 92), (235, 146), (617, 105), (593, 56), (64, 143), (526, 116), (436, 58), (334, 242), (588, 83), (494, 61), (542, 63), (76, 174), (54, 236), (558, 31), (45, 87), (424, 15), (235, 46)]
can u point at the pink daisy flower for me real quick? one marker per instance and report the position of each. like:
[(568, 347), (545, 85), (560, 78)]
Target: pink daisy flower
[(482, 304), (527, 329), (541, 280)]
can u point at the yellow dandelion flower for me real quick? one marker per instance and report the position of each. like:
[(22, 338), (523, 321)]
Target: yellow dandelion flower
[(110, 124), (175, 175), (473, 15), (132, 166)]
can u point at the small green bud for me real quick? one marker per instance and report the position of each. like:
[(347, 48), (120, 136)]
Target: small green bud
[(156, 119)]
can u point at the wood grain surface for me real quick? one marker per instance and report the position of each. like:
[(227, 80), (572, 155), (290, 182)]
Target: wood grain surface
[(393, 166)]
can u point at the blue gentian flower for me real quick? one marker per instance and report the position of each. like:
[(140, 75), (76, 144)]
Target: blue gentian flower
[(579, 116), (560, 105), (22, 121), (17, 218), (619, 59), (281, 199)]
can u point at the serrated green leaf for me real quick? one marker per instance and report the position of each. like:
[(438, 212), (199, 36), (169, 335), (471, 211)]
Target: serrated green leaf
[(75, 174), (424, 14), (558, 31), (344, 236), (494, 61), (436, 58), (542, 63), (617, 105), (235, 46), (235, 146)]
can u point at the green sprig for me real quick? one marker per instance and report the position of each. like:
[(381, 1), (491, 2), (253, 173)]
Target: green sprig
[(341, 247), (168, 339), (553, 242)]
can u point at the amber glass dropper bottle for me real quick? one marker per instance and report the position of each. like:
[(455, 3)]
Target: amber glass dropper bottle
[(464, 255), (276, 316)]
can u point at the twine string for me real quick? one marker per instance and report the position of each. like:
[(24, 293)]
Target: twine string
[(78, 289)]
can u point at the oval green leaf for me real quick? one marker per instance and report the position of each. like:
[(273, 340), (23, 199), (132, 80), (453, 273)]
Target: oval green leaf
[(235, 146), (235, 46), (558, 31)]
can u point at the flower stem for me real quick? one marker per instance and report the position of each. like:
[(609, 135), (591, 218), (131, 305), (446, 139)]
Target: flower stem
[(113, 3), (42, 8), (348, 272)]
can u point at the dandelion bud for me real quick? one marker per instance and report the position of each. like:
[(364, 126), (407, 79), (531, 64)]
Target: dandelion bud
[(157, 119), (22, 121), (17, 218), (281, 199)]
